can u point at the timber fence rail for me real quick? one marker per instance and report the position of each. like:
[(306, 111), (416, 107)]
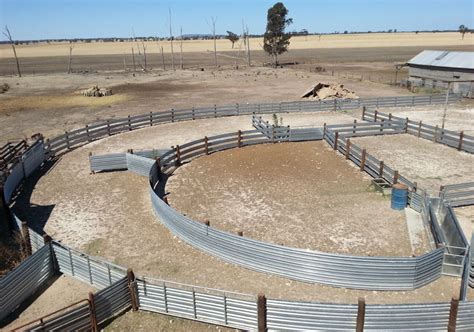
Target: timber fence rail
[(455, 139)]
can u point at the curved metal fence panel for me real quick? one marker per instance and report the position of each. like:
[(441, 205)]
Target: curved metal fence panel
[(139, 165), (24, 280)]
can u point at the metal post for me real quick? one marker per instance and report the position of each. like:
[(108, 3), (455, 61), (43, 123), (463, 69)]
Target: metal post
[(87, 132), (435, 135), (419, 129), (239, 138), (406, 125), (129, 124), (172, 115), (375, 115), (445, 111), (178, 155), (381, 125), (336, 138), (108, 127), (453, 314), (262, 313), (354, 126), (363, 112), (92, 313), (151, 119), (360, 315), (348, 148)]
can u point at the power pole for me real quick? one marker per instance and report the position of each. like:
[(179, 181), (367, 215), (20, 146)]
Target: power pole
[(214, 20), (69, 68), (181, 50)]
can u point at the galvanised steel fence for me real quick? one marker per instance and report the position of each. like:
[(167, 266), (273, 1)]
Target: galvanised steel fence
[(95, 131), (458, 194), (198, 303), (24, 280), (471, 269), (454, 139)]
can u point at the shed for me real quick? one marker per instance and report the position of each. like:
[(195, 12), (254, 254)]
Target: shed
[(435, 69)]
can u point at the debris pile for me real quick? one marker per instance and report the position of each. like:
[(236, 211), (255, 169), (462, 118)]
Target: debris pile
[(96, 92), (322, 91), (4, 88)]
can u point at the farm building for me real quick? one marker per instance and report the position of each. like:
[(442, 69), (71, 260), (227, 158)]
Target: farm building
[(435, 69)]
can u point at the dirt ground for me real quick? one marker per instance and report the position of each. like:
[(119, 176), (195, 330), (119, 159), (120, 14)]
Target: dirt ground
[(63, 292), (109, 215), (292, 194), (429, 164), (459, 116)]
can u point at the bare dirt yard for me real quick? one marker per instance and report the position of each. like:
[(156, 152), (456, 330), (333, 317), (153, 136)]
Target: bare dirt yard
[(109, 215), (429, 164), (301, 195)]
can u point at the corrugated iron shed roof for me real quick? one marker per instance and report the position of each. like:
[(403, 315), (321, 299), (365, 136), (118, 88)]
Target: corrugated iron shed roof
[(450, 59)]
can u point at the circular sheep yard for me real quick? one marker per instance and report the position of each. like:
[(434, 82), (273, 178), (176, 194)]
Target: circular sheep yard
[(301, 195)]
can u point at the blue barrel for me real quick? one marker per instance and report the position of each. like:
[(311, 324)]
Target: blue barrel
[(399, 196)]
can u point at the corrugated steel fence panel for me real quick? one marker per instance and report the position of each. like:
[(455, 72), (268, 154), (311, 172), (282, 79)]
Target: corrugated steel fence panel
[(456, 195), (310, 266), (306, 316), (87, 269), (33, 158), (112, 300), (139, 165), (108, 162), (24, 280), (16, 176), (36, 241), (216, 307), (76, 319), (471, 274)]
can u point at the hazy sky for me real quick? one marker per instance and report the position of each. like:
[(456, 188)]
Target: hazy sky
[(41, 19)]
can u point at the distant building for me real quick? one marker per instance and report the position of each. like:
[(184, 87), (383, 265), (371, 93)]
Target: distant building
[(435, 69)]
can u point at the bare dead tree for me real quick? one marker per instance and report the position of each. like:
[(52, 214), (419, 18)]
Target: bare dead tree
[(133, 58), (144, 53), (124, 63), (163, 58), (136, 41), (69, 68), (213, 29), (181, 49), (246, 41), (171, 40), (12, 43)]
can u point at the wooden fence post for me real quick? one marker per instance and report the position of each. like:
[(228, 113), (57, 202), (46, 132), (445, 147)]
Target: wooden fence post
[(453, 314), (129, 124), (25, 232), (406, 125), (360, 314), (389, 116), (381, 169), (240, 233), (395, 177), (262, 313), (192, 110), (108, 127), (5, 215), (336, 138), (348, 148), (92, 312), (165, 199), (363, 112), (362, 160), (88, 134), (178, 155), (151, 119), (215, 111), (324, 130), (419, 128), (461, 137), (239, 138), (206, 145), (132, 286), (354, 126), (375, 115), (381, 125)]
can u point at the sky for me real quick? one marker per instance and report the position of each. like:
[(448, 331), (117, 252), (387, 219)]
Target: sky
[(49, 19)]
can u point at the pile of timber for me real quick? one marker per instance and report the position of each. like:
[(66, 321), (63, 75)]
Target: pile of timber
[(322, 91), (96, 92)]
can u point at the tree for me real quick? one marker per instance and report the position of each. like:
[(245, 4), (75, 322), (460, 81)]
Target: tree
[(12, 43), (463, 29), (233, 37), (275, 40)]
